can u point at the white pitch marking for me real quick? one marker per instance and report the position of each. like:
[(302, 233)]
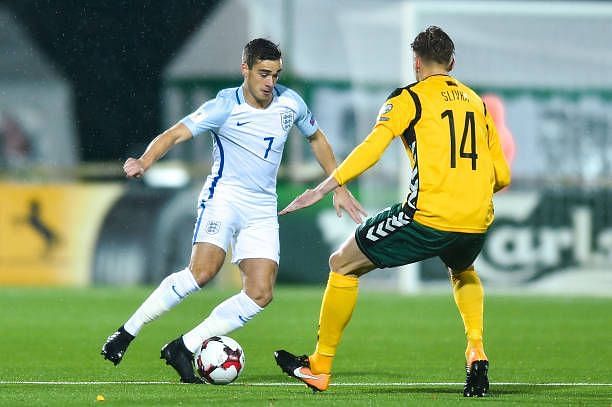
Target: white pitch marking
[(391, 384)]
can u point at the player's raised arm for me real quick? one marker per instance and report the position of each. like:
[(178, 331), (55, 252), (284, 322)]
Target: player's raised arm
[(343, 199), (160, 145)]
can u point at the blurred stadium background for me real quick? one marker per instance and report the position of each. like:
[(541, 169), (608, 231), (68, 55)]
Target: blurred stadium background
[(86, 84)]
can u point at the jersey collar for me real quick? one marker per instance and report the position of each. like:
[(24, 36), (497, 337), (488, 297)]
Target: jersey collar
[(239, 94)]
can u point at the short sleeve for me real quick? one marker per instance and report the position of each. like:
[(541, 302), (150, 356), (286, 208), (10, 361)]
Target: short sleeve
[(210, 116), (305, 121), (397, 112)]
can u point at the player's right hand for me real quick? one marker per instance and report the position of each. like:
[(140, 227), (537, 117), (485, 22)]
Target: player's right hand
[(307, 198), (133, 168)]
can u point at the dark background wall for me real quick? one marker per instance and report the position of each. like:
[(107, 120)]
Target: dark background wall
[(113, 53)]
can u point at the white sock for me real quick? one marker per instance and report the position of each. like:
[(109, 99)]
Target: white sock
[(231, 314), (170, 292)]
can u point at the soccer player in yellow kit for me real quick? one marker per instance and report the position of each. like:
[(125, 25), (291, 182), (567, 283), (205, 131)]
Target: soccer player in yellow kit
[(457, 164)]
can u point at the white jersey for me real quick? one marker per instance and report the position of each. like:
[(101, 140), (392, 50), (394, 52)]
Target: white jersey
[(248, 142)]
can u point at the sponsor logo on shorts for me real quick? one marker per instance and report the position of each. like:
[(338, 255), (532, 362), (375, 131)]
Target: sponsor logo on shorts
[(213, 227)]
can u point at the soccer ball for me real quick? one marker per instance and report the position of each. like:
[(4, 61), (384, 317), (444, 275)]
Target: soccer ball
[(219, 360)]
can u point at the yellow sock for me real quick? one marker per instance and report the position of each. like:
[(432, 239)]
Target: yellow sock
[(320, 363), (336, 309), (469, 297)]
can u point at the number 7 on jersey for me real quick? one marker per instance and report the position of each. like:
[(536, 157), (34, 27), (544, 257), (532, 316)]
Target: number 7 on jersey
[(269, 140)]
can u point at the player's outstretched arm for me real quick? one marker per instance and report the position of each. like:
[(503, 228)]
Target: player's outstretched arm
[(160, 145), (311, 196), (359, 160), (343, 199)]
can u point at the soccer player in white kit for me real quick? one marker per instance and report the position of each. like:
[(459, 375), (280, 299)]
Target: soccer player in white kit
[(237, 206)]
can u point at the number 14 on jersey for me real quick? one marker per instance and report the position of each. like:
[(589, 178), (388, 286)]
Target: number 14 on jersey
[(468, 128)]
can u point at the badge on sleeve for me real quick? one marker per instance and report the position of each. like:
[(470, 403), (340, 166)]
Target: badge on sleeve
[(384, 110), (197, 116)]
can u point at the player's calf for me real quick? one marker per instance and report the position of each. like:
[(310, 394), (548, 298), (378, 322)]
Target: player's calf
[(180, 358), (116, 345)]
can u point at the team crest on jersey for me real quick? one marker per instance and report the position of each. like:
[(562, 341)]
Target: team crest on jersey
[(213, 227), (287, 119)]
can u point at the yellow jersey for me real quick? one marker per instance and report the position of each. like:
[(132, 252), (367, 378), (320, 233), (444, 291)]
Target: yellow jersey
[(455, 154)]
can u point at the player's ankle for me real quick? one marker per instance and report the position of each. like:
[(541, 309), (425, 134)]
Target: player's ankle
[(320, 363), (475, 351)]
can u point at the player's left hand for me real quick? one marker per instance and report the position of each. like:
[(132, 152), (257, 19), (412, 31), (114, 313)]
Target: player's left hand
[(307, 198), (343, 199)]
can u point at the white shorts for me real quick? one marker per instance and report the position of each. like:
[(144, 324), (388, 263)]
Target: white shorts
[(250, 228)]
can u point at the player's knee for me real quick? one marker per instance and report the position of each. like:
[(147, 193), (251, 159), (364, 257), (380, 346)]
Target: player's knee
[(337, 263), (263, 299), (202, 274), (333, 261), (262, 296)]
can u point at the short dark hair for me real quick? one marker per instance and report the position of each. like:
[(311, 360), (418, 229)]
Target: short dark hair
[(434, 45), (260, 49)]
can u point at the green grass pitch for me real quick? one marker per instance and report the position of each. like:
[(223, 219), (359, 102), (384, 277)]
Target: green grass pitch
[(398, 350)]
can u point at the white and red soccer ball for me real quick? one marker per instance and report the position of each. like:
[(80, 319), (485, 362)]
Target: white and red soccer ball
[(219, 360)]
